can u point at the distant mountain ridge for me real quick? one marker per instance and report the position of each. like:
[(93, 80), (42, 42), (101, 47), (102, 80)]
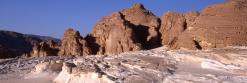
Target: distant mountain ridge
[(14, 44), (44, 38)]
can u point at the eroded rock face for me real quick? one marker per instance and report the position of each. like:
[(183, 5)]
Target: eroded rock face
[(42, 49), (128, 30), (147, 25), (73, 44), (173, 26), (138, 67), (113, 34), (217, 26), (222, 25)]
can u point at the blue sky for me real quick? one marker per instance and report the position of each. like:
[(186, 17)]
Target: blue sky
[(53, 17)]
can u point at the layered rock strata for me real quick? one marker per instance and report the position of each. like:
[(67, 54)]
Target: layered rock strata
[(217, 26)]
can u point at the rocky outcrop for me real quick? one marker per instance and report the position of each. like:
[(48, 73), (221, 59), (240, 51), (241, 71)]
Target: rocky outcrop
[(73, 44), (42, 49), (173, 26), (136, 28), (222, 25), (113, 34), (128, 30), (217, 26), (147, 25)]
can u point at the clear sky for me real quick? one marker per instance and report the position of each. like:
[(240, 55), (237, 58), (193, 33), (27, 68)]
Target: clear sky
[(53, 17)]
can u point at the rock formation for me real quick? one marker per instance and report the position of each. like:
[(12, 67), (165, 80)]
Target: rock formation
[(128, 30), (173, 25), (217, 26), (73, 44), (136, 28), (114, 34), (147, 25), (42, 49), (222, 25)]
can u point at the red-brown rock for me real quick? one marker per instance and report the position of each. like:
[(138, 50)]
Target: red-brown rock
[(173, 26), (217, 26), (222, 25), (43, 49), (147, 25), (73, 44), (128, 30), (113, 34)]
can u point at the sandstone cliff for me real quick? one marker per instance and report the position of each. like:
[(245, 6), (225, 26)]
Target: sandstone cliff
[(222, 25), (147, 25), (173, 25), (217, 26), (114, 35), (73, 44), (128, 30)]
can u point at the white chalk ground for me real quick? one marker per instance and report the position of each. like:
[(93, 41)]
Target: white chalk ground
[(227, 65), (33, 80), (27, 78), (22, 71)]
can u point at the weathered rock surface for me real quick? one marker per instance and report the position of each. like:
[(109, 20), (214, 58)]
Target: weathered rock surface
[(173, 27), (147, 25), (217, 26), (73, 44), (128, 30), (173, 24), (42, 49), (51, 66), (73, 74), (222, 25), (122, 68), (159, 65), (113, 34)]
